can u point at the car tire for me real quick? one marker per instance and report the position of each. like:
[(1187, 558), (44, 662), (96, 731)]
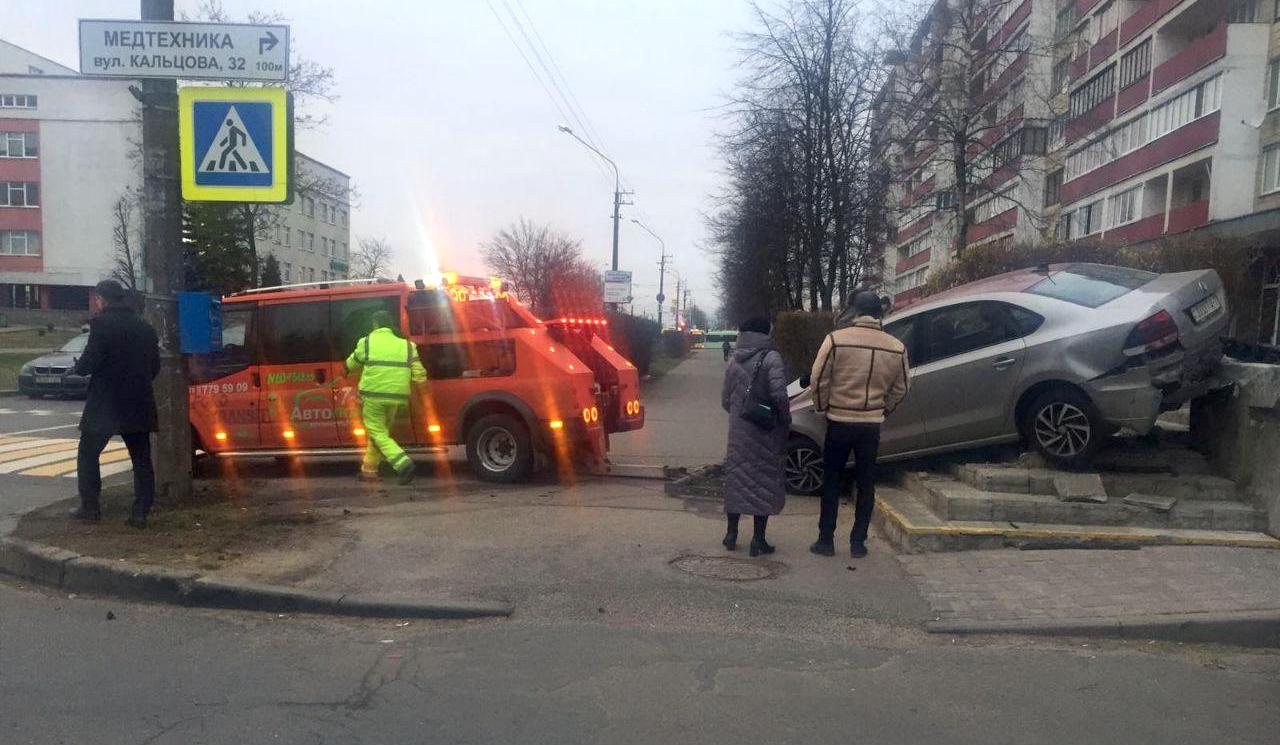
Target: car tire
[(802, 467), (499, 449), (1065, 427)]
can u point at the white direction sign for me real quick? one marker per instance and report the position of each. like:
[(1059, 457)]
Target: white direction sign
[(190, 51), (617, 287)]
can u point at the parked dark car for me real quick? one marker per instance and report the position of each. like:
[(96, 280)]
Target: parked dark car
[(51, 374)]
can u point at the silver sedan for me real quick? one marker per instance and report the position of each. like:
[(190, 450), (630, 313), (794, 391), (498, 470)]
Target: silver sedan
[(1059, 356)]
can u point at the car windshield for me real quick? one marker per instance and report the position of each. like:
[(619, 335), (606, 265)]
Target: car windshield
[(1091, 285), (76, 345)]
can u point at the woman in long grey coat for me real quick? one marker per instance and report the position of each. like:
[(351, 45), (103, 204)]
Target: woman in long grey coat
[(755, 482)]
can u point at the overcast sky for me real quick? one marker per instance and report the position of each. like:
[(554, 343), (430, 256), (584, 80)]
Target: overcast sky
[(448, 136)]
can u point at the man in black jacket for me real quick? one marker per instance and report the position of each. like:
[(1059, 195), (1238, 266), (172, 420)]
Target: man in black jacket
[(123, 357)]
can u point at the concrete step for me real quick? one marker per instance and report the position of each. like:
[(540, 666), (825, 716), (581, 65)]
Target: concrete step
[(952, 499), (907, 521), (1014, 479)]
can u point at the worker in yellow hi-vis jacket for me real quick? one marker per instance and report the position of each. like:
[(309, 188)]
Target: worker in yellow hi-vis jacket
[(390, 366)]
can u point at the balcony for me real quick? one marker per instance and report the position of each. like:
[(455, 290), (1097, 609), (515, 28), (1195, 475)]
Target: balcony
[(1141, 20), (1006, 220), (1103, 50), (912, 262), (915, 195), (1188, 216), (1134, 95), (1198, 54), (1091, 120), (1194, 136), (914, 229), (1140, 230)]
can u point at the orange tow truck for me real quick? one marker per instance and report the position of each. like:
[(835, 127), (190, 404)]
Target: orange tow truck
[(515, 390)]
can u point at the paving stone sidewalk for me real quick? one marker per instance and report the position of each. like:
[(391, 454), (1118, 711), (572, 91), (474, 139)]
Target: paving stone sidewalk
[(1078, 584)]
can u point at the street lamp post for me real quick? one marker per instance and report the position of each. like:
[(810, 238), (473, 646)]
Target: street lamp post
[(662, 268), (617, 189)]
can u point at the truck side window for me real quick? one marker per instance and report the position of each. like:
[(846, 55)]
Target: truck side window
[(479, 359), (295, 333), (237, 353), (352, 319)]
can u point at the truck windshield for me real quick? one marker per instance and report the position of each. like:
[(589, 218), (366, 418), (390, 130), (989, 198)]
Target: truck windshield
[(1091, 285)]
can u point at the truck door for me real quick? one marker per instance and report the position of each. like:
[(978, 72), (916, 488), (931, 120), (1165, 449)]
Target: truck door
[(225, 384), (297, 403), (351, 319)]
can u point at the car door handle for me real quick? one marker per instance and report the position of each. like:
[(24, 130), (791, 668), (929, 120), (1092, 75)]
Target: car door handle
[(1004, 363)]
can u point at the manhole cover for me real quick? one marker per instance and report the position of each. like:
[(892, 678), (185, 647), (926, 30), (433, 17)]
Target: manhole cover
[(727, 568)]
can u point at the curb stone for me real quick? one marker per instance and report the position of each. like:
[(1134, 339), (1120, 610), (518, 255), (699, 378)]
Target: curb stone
[(1241, 629), (69, 571)]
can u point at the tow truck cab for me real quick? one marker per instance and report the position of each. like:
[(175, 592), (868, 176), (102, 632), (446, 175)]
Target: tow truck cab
[(510, 388)]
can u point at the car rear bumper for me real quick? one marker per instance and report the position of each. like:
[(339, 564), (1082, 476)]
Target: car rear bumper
[(1128, 400)]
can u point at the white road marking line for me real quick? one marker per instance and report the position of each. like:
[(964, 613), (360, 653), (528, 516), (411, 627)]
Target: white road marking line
[(111, 469), (40, 460), (28, 444), (33, 431), (38, 412)]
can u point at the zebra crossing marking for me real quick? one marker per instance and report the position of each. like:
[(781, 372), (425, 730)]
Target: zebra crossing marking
[(49, 456)]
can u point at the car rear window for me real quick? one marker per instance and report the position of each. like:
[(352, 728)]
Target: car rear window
[(1091, 285)]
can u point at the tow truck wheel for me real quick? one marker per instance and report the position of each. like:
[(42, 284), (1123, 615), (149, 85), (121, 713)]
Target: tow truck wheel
[(499, 449)]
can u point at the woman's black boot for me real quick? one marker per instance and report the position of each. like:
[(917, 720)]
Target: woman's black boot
[(758, 543), (731, 535)]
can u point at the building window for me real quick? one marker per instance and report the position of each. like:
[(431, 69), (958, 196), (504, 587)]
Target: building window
[(17, 101), (1273, 81), (1123, 207), (344, 212), (1188, 106), (1243, 11), (1135, 64), (19, 243), (311, 241), (1088, 220), (1104, 22), (1093, 92), (19, 144), (308, 206), (344, 251), (1066, 21), (19, 194), (286, 272), (1058, 131), (1053, 188), (287, 237), (1061, 70), (1271, 169)]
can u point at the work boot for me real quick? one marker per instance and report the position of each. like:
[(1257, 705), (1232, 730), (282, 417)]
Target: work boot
[(368, 477), (136, 521), (857, 549), (731, 540), (86, 514), (405, 476), (823, 548)]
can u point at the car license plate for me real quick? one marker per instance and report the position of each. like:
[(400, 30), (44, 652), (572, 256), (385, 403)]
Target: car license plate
[(1205, 308), (48, 380)]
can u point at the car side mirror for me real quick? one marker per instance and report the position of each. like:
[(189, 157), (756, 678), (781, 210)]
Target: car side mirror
[(805, 380)]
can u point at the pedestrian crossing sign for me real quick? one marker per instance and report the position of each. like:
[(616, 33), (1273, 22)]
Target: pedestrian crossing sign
[(234, 144)]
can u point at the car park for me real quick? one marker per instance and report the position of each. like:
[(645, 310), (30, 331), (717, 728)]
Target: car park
[(1059, 357)]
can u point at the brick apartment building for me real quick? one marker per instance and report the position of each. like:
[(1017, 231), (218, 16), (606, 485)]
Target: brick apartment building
[(68, 152), (1121, 120)]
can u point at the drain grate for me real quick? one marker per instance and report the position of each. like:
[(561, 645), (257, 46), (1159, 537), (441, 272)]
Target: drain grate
[(727, 568)]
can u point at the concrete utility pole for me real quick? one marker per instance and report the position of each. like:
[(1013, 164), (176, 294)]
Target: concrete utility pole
[(162, 259), (662, 267), (686, 302)]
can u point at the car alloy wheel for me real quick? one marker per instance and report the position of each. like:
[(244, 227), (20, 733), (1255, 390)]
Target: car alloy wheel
[(1063, 430), (803, 468)]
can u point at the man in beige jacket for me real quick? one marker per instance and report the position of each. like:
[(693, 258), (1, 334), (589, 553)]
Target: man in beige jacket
[(859, 377)]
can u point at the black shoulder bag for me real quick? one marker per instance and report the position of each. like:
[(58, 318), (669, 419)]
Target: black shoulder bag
[(755, 410)]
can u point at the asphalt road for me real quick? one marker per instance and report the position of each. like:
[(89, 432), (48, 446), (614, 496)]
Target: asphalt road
[(170, 675)]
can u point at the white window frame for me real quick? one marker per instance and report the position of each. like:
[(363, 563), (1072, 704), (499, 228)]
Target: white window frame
[(30, 240), (1117, 202), (1271, 169), (1273, 81), (15, 186), (7, 138), (17, 101)]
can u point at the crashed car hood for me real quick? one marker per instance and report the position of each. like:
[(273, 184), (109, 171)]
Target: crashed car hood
[(54, 359)]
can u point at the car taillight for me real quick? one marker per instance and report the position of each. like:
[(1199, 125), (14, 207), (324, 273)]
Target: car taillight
[(1155, 332)]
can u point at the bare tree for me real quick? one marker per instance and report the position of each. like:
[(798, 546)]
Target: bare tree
[(545, 268), (126, 240), (792, 229), (372, 258), (964, 115)]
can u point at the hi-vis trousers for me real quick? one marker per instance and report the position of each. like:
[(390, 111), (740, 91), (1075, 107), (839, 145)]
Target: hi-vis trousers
[(379, 414)]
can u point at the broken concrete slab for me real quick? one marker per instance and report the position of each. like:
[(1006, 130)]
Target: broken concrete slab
[(1080, 487), (1151, 502)]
